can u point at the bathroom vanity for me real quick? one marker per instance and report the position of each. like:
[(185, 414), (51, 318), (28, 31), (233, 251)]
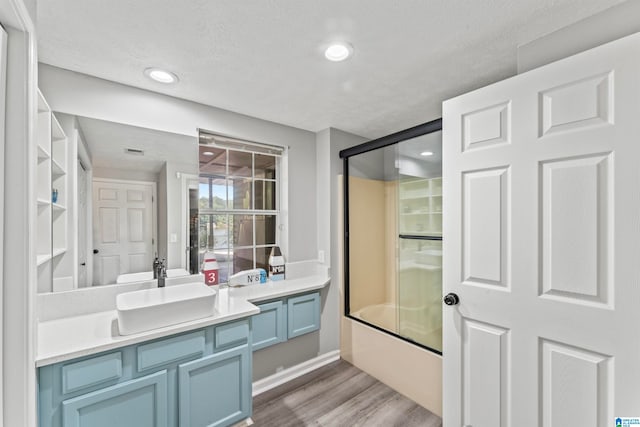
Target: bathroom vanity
[(196, 373)]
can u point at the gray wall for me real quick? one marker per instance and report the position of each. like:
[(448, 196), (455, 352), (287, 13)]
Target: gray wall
[(87, 96), (329, 142), (611, 24)]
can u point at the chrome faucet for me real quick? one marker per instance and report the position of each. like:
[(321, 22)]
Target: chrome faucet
[(156, 263), (161, 270)]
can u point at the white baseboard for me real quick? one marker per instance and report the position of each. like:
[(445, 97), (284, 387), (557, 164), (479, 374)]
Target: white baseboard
[(294, 372)]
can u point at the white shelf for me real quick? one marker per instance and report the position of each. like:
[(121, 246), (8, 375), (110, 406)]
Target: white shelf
[(43, 107), (414, 213), (52, 146), (43, 154), (58, 251), (425, 197), (422, 198), (41, 259), (56, 169), (57, 133)]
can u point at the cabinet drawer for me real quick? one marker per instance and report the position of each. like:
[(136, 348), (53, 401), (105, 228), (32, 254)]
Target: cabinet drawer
[(170, 350), (303, 314), (269, 327), (231, 334), (91, 372)]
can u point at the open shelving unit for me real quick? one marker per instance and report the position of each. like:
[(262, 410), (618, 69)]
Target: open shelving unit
[(54, 273), (420, 203)]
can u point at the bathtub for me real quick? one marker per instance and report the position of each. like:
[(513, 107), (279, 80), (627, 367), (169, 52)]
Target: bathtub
[(418, 323), (382, 315)]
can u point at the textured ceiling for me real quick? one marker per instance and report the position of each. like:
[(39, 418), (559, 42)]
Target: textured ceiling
[(108, 141), (264, 58)]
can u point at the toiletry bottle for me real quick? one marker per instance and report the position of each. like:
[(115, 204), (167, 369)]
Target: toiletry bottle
[(276, 264), (210, 269)]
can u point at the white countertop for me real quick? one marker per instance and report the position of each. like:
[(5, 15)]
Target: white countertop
[(71, 337)]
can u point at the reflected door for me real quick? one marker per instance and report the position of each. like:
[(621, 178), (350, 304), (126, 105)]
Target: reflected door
[(123, 229), (542, 246), (82, 226)]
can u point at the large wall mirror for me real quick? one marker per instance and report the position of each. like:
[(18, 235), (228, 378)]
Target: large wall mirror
[(132, 193)]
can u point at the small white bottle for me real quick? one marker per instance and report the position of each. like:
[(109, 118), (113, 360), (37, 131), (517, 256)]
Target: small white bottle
[(276, 264)]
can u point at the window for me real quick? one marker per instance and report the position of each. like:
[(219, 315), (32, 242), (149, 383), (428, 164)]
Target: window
[(238, 202)]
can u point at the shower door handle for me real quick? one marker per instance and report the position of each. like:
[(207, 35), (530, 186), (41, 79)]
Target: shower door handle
[(451, 299)]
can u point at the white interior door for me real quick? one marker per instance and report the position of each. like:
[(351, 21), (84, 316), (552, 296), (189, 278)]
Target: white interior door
[(542, 245), (123, 228), (82, 226)]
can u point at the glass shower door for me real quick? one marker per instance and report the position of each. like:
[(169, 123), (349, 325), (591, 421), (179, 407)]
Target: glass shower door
[(394, 275), (420, 245)]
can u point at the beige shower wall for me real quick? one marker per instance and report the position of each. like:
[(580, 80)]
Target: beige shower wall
[(372, 239)]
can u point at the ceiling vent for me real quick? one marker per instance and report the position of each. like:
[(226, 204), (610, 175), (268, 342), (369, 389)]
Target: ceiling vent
[(134, 151)]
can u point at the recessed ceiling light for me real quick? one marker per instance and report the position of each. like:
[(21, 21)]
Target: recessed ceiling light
[(338, 52), (207, 153), (427, 153), (161, 76)]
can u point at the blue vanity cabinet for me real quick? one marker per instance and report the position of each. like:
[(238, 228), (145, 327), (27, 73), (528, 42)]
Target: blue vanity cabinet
[(204, 374), (137, 403), (303, 314), (215, 390), (286, 318), (269, 327)]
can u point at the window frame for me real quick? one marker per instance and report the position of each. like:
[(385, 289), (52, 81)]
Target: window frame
[(280, 155)]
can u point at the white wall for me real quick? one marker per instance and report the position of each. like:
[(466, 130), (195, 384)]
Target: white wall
[(125, 174), (175, 251), (19, 277)]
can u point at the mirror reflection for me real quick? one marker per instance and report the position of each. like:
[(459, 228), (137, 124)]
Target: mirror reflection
[(238, 204), (133, 203)]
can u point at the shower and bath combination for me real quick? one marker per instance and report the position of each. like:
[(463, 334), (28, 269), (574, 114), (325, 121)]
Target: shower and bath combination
[(393, 234)]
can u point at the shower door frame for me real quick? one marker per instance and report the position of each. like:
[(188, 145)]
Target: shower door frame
[(375, 144)]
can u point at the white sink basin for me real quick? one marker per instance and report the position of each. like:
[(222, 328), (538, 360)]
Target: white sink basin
[(149, 309), (148, 275)]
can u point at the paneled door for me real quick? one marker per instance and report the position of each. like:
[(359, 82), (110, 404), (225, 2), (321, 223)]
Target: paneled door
[(123, 229), (542, 245)]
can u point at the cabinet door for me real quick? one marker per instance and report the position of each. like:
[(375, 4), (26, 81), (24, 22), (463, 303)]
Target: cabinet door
[(137, 403), (215, 390), (268, 327), (303, 313)]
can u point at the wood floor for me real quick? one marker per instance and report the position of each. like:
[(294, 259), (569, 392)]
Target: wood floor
[(338, 395)]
